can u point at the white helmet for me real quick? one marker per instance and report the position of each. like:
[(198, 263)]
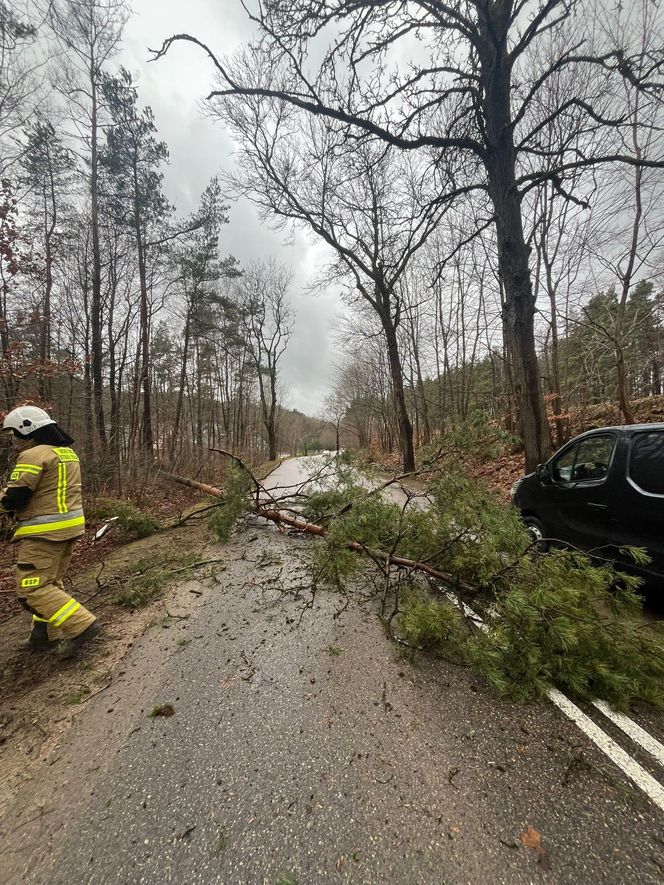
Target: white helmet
[(26, 419)]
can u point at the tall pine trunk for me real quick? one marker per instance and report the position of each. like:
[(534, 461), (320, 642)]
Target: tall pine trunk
[(147, 438), (272, 421), (183, 379), (95, 306)]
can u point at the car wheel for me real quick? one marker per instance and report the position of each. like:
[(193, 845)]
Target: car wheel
[(537, 532)]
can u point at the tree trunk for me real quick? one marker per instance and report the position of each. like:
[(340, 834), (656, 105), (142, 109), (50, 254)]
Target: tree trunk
[(267, 408), (513, 252), (271, 444), (396, 374), (95, 307), (183, 378), (146, 423), (113, 383), (45, 332), (8, 380), (199, 400), (627, 277), (623, 395), (554, 384), (147, 439), (656, 378), (87, 386), (519, 327), (272, 425), (426, 437)]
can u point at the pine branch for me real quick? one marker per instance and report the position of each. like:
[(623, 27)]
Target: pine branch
[(309, 528)]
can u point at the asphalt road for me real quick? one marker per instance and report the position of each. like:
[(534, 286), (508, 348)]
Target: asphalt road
[(303, 749)]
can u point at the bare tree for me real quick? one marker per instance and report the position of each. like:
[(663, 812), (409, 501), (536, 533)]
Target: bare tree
[(268, 326), (561, 248), (629, 220), (373, 207), (334, 411), (469, 78), (22, 66)]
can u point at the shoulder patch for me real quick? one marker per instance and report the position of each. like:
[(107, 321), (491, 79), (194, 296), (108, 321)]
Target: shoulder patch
[(66, 454)]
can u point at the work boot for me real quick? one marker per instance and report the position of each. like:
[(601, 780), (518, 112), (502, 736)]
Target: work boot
[(38, 639), (66, 648)]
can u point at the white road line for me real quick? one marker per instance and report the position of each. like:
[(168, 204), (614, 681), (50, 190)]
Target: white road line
[(646, 782), (621, 758), (639, 735), (629, 766), (468, 612)]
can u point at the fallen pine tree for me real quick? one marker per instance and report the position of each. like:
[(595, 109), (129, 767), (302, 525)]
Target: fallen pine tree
[(560, 618), (308, 528)]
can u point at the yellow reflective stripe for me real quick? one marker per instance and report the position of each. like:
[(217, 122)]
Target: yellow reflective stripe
[(29, 468), (73, 607), (39, 620), (65, 612), (48, 527), (62, 488), (62, 610)]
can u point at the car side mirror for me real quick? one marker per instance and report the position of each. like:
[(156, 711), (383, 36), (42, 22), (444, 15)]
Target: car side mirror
[(543, 473)]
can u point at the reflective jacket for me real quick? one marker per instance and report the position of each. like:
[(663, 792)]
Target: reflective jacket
[(47, 482)]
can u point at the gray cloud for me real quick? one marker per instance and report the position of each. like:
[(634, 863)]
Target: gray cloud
[(200, 148)]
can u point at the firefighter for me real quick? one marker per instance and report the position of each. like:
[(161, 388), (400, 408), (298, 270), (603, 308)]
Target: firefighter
[(44, 496)]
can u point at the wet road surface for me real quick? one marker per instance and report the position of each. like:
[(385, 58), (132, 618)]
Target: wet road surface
[(304, 749)]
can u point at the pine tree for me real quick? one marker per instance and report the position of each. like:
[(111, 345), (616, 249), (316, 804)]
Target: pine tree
[(48, 170), (132, 159)]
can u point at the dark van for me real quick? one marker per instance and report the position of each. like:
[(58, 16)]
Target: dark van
[(604, 489)]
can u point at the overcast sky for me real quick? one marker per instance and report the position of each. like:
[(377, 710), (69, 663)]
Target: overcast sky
[(199, 148)]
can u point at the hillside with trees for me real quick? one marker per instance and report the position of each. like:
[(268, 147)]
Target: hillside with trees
[(131, 320), (119, 313), (400, 660), (488, 179)]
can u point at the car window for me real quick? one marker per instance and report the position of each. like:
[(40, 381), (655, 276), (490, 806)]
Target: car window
[(588, 461), (563, 466), (593, 458), (646, 463)]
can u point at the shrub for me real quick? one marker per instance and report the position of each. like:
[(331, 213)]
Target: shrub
[(130, 518), (149, 576), (477, 437)]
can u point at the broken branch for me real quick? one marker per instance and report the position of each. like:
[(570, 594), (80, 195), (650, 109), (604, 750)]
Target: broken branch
[(310, 528)]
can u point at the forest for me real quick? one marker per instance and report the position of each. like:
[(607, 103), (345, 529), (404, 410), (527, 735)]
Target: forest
[(494, 269), (474, 191), (118, 313)]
